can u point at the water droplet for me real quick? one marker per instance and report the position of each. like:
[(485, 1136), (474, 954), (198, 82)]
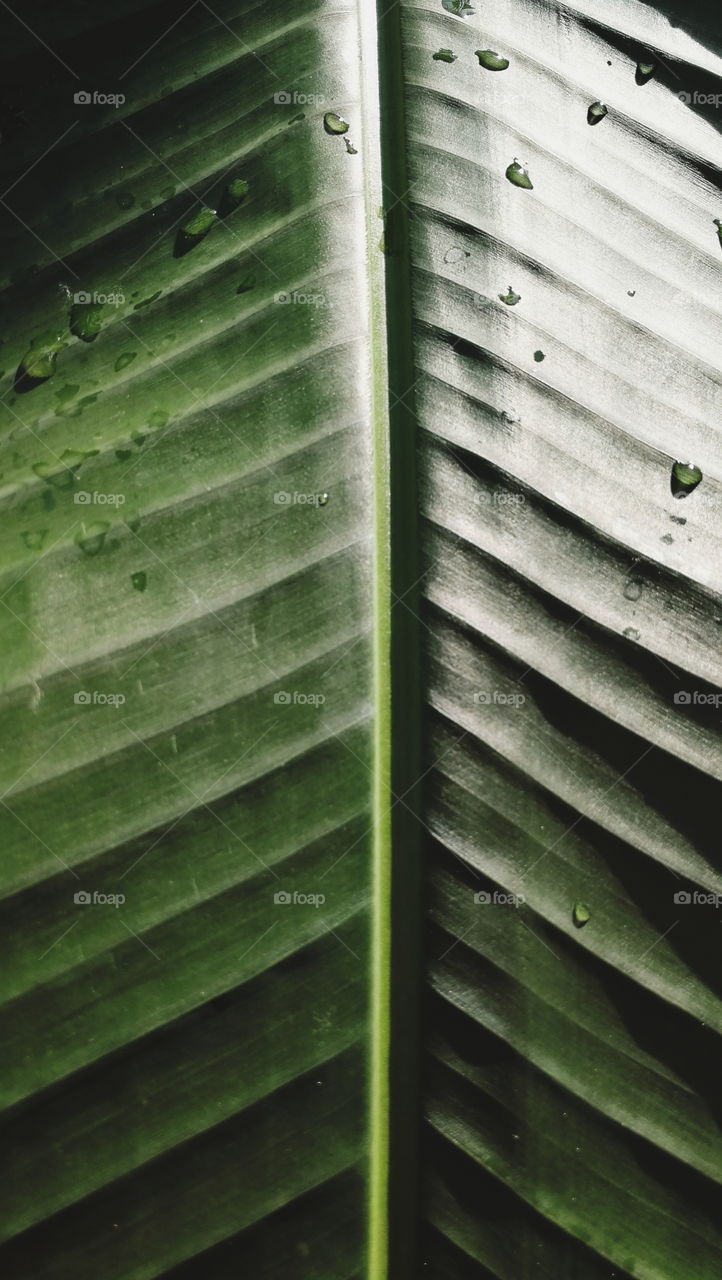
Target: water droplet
[(124, 360), (460, 8), (139, 580), (539, 356), (631, 633), (37, 365), (596, 112), (581, 914), (633, 588), (234, 193), (146, 302), (334, 123), (644, 72), (679, 519), (34, 538), (684, 479), (350, 148), (631, 293), (518, 175), (667, 537), (66, 393), (86, 320), (91, 537), (322, 499), (510, 297), (491, 61), (456, 254), (444, 55), (194, 230)]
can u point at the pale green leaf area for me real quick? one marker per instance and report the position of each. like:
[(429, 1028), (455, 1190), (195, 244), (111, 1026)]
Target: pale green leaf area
[(360, 625)]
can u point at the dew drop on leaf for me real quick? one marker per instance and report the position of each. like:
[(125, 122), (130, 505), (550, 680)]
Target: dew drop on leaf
[(86, 320), (91, 537), (322, 499), (34, 538), (581, 914), (633, 589), (459, 8), (644, 72), (124, 360), (539, 356), (510, 297), (596, 113), (631, 633), (146, 302), (139, 580), (350, 148), (158, 418), (334, 123), (491, 61), (684, 479), (518, 175), (444, 55)]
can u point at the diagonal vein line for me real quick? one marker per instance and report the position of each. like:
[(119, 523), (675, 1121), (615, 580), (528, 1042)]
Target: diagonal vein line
[(42, 157), (57, 940), (140, 940), (39, 239), (40, 40), (162, 36)]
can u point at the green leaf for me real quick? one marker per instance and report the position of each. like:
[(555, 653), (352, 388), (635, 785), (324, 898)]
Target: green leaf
[(359, 676)]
